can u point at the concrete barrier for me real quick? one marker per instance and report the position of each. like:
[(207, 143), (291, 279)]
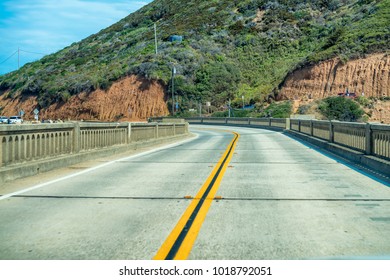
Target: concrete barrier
[(29, 149)]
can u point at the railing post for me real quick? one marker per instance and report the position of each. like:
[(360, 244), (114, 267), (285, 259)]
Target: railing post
[(269, 122), (299, 125), (76, 138), (288, 123), (156, 129), (1, 151), (331, 132), (174, 129), (369, 140), (311, 128), (128, 133)]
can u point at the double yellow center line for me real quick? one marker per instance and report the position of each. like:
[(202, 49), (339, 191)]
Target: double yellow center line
[(179, 243)]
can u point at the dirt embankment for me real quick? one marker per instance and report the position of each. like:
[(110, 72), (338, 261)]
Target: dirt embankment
[(130, 99), (369, 77)]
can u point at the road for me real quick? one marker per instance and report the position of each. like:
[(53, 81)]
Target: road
[(229, 193)]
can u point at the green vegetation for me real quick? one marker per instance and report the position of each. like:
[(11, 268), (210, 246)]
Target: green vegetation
[(230, 49), (278, 110), (274, 110), (341, 108)]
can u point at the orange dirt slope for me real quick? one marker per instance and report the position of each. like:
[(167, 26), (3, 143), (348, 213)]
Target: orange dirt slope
[(130, 99)]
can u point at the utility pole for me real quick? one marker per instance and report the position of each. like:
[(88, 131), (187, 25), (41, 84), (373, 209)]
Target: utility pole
[(18, 57), (173, 89), (229, 107), (155, 36)]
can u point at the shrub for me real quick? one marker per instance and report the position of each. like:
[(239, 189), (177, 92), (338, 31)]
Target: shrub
[(364, 101), (278, 110), (340, 108), (303, 109)]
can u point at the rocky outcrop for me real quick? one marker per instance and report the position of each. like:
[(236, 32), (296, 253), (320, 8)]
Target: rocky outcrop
[(369, 76), (130, 99)]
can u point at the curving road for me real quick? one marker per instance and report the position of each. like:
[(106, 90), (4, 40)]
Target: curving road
[(253, 194)]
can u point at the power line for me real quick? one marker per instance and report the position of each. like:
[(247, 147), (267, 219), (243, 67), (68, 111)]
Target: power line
[(9, 57), (32, 52), (18, 52)]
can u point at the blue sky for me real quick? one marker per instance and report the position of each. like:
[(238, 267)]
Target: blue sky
[(41, 27)]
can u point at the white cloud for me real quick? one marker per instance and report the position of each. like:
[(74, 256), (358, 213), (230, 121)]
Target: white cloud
[(47, 26)]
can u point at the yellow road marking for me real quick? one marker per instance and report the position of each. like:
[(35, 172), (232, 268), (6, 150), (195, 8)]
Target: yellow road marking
[(179, 243)]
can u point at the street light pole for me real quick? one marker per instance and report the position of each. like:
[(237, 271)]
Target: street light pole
[(243, 102)]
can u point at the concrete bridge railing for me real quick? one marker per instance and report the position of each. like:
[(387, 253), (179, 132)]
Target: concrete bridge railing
[(24, 143), (265, 122), (370, 139)]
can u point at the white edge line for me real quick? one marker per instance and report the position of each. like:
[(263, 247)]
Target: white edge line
[(97, 167)]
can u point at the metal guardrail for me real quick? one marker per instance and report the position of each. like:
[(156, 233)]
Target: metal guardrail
[(23, 143), (371, 139)]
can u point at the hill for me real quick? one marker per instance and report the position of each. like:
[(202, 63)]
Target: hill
[(229, 49)]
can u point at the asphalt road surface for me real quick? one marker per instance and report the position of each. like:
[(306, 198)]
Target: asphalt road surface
[(229, 193)]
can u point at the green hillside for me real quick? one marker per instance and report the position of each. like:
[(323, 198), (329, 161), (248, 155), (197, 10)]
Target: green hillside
[(229, 49)]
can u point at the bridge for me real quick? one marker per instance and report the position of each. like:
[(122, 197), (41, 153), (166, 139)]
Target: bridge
[(237, 189)]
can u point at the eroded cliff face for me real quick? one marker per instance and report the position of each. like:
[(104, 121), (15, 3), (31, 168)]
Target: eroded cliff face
[(369, 76), (130, 99)]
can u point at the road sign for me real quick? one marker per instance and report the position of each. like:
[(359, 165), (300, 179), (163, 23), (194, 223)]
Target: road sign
[(36, 111), (21, 113)]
